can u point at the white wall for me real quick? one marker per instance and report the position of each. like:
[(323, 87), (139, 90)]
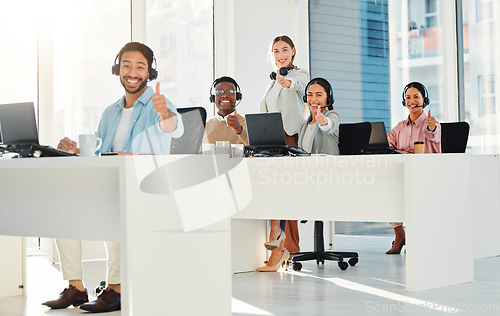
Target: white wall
[(242, 45), (11, 265)]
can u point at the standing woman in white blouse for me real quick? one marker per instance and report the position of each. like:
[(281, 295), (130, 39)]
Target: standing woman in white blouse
[(286, 90), (284, 94)]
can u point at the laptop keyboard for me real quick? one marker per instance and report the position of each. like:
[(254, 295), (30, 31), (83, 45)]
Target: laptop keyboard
[(381, 151), (35, 150), (273, 151)]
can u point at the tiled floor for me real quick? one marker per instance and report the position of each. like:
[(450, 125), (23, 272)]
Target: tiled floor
[(374, 286)]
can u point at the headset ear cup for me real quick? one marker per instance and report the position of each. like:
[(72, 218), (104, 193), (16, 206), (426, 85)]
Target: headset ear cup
[(115, 70), (212, 98), (283, 71), (305, 98), (238, 96), (330, 100), (153, 74), (272, 75)]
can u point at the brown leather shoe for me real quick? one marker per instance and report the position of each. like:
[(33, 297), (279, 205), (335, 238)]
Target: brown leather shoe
[(69, 296), (107, 301)]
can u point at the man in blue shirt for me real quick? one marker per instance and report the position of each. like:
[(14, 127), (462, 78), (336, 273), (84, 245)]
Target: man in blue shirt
[(143, 120)]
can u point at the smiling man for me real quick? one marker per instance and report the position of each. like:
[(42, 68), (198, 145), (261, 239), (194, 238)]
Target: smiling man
[(143, 120), (227, 125)]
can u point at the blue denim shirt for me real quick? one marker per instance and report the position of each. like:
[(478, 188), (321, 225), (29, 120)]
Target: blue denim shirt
[(145, 133)]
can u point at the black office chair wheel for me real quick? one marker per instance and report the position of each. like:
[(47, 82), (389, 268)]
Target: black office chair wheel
[(318, 261), (343, 265), (297, 266), (353, 261)]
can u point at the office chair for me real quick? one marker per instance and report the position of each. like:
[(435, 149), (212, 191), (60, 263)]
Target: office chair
[(454, 137), (194, 120), (320, 255), (354, 138)]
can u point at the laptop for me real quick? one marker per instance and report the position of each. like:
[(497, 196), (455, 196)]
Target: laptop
[(266, 136), (354, 138), (378, 143), (19, 132)]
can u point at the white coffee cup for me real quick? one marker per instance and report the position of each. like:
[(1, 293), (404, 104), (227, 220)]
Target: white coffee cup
[(89, 144)]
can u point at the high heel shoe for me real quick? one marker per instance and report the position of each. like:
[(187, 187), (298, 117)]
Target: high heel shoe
[(277, 266), (396, 251), (273, 244)]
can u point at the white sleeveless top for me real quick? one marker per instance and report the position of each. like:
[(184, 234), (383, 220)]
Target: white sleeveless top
[(122, 133), (307, 141)]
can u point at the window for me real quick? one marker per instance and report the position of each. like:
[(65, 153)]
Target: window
[(18, 54), (180, 32), (484, 10), (417, 55), (436, 106), (431, 14), (481, 75), (486, 95), (83, 85)]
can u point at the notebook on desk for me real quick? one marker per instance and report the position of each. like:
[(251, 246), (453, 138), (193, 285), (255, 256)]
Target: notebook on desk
[(378, 144), (19, 132), (266, 136)]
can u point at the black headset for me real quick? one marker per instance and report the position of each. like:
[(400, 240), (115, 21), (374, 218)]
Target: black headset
[(283, 72), (329, 99), (225, 79), (153, 73), (420, 87)]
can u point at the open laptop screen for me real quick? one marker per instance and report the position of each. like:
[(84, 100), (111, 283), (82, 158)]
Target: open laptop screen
[(18, 124), (378, 136), (265, 129)]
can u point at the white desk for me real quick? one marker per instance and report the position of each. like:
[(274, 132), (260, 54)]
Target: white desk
[(46, 197), (100, 199)]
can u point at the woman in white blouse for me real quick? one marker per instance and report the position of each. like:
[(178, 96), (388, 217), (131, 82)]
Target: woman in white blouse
[(284, 94)]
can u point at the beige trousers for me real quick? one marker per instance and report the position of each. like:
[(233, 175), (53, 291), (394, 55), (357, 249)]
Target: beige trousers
[(70, 253)]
